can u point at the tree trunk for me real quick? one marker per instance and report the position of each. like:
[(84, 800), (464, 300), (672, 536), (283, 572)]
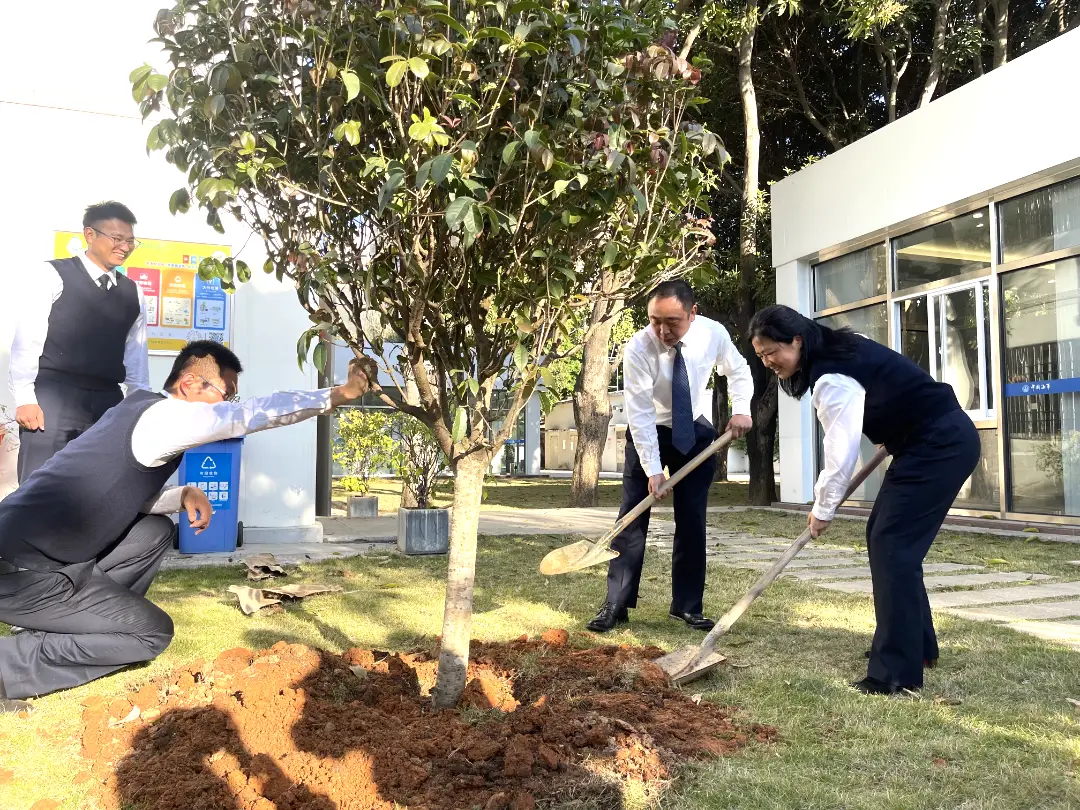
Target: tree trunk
[(592, 406), (980, 19), (461, 574), (760, 439), (937, 52), (1001, 32), (721, 416)]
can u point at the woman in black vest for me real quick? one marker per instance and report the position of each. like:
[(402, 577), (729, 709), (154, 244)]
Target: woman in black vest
[(861, 387)]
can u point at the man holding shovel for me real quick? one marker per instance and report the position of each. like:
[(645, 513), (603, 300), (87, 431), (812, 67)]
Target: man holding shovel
[(667, 367), (83, 538)]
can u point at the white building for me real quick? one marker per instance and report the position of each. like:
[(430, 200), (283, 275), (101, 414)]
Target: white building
[(953, 236), (70, 135)]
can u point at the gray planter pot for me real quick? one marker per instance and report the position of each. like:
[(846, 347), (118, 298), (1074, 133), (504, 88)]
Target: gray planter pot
[(423, 531), (363, 506)]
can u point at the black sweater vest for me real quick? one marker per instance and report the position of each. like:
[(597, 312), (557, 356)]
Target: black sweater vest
[(88, 329), (901, 398), (85, 497)]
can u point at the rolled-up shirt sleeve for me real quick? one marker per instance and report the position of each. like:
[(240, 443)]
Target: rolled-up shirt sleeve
[(731, 363), (166, 502), (638, 381), (839, 401), (35, 298)]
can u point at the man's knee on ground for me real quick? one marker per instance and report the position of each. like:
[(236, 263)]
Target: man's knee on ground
[(155, 530), (157, 632)]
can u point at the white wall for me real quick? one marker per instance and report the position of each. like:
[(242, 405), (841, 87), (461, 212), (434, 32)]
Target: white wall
[(70, 135), (1016, 121)]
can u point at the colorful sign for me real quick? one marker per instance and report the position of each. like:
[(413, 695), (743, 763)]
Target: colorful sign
[(1069, 385), (211, 474), (180, 306)]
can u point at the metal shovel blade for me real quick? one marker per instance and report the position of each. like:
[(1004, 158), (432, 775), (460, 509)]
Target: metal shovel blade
[(683, 665), (576, 556)]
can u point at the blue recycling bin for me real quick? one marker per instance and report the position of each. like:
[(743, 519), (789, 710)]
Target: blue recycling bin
[(215, 469)]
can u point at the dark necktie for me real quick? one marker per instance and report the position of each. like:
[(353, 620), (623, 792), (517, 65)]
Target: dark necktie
[(682, 412), (104, 282)]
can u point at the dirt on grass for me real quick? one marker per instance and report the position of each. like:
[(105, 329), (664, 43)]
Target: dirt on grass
[(294, 728)]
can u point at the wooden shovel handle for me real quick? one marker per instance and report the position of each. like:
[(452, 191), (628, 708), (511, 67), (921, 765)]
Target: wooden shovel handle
[(736, 612), (685, 470)]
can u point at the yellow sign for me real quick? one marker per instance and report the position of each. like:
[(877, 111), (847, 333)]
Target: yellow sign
[(180, 306)]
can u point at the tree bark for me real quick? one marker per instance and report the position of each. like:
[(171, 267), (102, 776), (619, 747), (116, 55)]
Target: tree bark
[(937, 52), (1001, 32), (592, 406), (980, 20), (759, 440), (461, 574), (721, 416)]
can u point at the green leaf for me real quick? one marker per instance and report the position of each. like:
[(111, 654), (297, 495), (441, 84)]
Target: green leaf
[(446, 19), (140, 74), (509, 151), (642, 203), (521, 357), (560, 187), (396, 73), (419, 67), (247, 142), (474, 386), (352, 132), (394, 179), (611, 251), (492, 32), (179, 202), (243, 272), (474, 221), (441, 167), (319, 357), (352, 84), (369, 91), (423, 172), (548, 376), (157, 82), (547, 159), (467, 100), (532, 139), (461, 424), (214, 106), (458, 210), (153, 140)]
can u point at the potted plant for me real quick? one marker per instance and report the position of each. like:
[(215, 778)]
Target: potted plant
[(364, 446), (423, 529)]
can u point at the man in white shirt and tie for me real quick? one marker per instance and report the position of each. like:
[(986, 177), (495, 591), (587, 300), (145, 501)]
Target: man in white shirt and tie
[(667, 367), (81, 333)]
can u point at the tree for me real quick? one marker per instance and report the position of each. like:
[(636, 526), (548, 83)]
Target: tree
[(435, 168), (363, 446)]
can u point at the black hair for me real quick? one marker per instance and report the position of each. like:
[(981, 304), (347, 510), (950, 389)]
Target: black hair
[(198, 351), (676, 288), (102, 211), (783, 324)]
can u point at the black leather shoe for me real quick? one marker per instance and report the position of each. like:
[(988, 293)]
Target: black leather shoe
[(607, 617), (928, 663), (872, 686), (695, 620)]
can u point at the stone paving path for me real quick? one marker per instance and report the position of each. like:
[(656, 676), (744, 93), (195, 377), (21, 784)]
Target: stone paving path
[(1035, 609)]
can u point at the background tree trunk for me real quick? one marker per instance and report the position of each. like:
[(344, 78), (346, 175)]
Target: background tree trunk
[(937, 52), (461, 574), (721, 415), (592, 406), (1001, 32), (760, 440)]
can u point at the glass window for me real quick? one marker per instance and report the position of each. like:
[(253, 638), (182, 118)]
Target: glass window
[(1040, 222), (915, 331), (850, 278), (957, 342), (945, 250), (871, 322), (1042, 387), (982, 490)]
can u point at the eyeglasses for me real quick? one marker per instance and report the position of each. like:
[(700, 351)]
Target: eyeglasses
[(224, 396), (118, 240)]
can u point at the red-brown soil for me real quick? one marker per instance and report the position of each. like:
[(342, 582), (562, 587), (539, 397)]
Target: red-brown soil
[(292, 728)]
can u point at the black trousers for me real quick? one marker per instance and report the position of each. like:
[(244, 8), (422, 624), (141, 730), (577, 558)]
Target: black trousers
[(81, 626), (69, 412), (690, 498), (920, 485)]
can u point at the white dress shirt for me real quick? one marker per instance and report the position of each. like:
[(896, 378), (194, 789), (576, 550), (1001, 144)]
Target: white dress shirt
[(39, 291), (647, 366), (839, 401), (168, 428)]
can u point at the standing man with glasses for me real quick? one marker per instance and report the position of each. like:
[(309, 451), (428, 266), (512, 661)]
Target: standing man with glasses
[(667, 367), (81, 334)]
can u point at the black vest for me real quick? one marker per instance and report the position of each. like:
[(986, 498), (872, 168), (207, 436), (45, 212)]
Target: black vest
[(84, 497), (88, 328), (900, 397)]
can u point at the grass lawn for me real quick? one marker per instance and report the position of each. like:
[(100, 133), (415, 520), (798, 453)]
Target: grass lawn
[(529, 493), (993, 728)]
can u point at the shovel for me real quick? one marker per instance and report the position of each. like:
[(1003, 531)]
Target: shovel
[(693, 661), (584, 553)]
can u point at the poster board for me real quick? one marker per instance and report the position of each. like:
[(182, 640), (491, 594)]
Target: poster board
[(180, 306)]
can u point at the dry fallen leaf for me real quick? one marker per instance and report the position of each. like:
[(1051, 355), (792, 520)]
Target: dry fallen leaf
[(301, 591), (252, 599), (696, 699), (132, 715), (1074, 702), (263, 566), (359, 672)]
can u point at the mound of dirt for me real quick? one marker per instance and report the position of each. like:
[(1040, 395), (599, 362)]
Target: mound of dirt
[(293, 728)]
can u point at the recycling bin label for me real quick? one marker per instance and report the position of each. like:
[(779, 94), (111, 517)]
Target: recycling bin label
[(211, 472)]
